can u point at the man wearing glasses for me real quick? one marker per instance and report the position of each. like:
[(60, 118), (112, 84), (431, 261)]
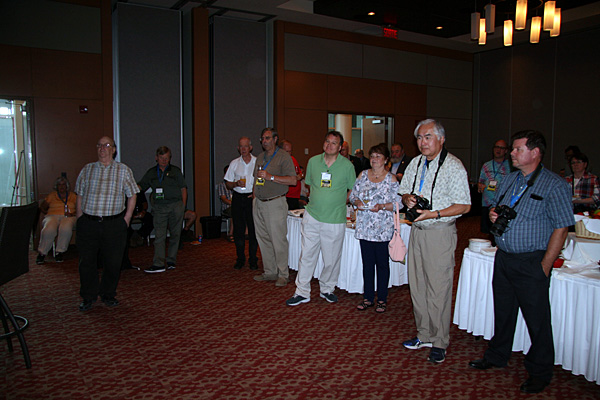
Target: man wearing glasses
[(492, 173), (274, 173), (103, 216)]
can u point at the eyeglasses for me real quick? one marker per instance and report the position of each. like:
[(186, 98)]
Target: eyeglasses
[(262, 139), (105, 145)]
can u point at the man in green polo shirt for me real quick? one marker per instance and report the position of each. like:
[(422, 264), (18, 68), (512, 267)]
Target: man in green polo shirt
[(330, 177), (168, 199)]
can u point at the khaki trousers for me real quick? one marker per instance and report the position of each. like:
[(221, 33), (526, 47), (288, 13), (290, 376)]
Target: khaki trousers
[(430, 275), (270, 225), (319, 237)]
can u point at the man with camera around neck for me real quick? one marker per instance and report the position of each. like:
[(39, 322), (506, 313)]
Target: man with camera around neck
[(437, 181), (530, 219)]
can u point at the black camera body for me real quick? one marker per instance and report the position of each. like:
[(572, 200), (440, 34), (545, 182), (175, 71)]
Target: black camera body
[(422, 204), (505, 215)]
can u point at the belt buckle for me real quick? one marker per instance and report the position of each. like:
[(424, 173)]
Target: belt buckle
[(100, 219)]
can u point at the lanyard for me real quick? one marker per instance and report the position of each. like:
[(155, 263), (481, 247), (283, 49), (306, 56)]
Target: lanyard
[(160, 178), (514, 197), (66, 198), (271, 159), (423, 175)]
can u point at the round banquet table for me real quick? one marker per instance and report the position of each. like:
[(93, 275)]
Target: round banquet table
[(351, 278)]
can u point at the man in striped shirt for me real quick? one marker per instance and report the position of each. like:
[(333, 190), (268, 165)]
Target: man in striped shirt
[(103, 216)]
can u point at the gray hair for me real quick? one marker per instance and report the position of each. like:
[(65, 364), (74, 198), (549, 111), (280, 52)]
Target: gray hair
[(438, 129), (60, 180)]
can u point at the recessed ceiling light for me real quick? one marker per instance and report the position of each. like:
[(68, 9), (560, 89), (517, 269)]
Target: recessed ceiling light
[(371, 13), (439, 27)]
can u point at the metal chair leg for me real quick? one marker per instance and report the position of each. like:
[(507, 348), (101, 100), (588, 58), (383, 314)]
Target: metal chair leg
[(18, 330)]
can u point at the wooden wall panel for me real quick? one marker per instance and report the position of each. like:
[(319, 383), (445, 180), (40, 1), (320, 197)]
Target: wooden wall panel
[(65, 139), (410, 99), (405, 132), (305, 90), (305, 129), (360, 96), (62, 74), (15, 70)]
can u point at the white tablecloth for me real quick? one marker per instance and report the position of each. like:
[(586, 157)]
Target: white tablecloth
[(575, 304), (351, 278)]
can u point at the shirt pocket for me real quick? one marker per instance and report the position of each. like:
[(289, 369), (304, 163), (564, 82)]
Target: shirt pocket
[(534, 207)]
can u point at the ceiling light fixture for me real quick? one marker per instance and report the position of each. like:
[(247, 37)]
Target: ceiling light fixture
[(521, 14), (482, 33), (371, 13), (439, 28), (490, 18), (549, 15), (475, 26), (536, 27), (556, 28), (508, 32)]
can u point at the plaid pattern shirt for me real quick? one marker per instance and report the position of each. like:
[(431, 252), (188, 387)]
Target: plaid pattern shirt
[(544, 207), (103, 188), (223, 191), (586, 187)]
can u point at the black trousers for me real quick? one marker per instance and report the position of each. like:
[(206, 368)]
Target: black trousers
[(519, 281), (100, 243), (293, 203), (241, 212)]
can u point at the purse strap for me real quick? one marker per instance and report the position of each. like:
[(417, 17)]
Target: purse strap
[(397, 218)]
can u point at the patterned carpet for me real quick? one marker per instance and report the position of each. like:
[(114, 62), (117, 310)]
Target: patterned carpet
[(207, 331)]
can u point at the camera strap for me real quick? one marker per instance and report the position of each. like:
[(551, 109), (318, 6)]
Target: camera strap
[(443, 155), (530, 183)]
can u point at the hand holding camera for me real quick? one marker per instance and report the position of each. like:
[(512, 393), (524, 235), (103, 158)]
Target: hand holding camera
[(420, 203)]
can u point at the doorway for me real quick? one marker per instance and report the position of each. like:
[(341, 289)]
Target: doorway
[(16, 155), (363, 131)]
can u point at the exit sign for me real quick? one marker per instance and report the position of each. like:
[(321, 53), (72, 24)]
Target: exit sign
[(390, 33)]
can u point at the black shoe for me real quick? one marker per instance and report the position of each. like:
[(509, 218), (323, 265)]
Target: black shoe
[(253, 266), (238, 265), (482, 364), (110, 301), (170, 265), (534, 385), (40, 259), (154, 269), (86, 305), (59, 257)]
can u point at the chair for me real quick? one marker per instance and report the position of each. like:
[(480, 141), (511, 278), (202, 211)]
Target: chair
[(16, 224)]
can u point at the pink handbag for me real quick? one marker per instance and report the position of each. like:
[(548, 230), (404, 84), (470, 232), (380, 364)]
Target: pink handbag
[(397, 247)]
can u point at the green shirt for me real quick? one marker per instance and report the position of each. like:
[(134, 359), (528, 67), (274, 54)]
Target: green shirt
[(170, 180), (328, 204)]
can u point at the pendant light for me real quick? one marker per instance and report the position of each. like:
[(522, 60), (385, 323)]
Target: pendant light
[(490, 18), (521, 14), (474, 26), (549, 15), (482, 33), (536, 26), (556, 28), (508, 32)]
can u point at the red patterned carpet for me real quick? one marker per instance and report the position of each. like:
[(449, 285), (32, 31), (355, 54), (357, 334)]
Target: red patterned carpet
[(207, 331)]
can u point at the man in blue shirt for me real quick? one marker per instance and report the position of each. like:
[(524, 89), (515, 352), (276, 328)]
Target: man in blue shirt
[(528, 244), (492, 173)]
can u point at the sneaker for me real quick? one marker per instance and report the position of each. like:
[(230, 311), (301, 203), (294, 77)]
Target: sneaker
[(437, 355), (330, 297), (262, 278), (40, 259), (297, 299), (170, 266), (281, 281), (154, 269), (59, 257), (415, 344), (110, 301)]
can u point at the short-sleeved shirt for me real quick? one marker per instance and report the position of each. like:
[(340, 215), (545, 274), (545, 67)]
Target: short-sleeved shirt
[(375, 226), (56, 205), (280, 164), (294, 191), (544, 207), (237, 169), (103, 188), (451, 185), (328, 204), (223, 191), (492, 171), (170, 180)]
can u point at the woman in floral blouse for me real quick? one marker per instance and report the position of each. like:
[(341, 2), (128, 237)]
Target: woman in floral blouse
[(375, 194)]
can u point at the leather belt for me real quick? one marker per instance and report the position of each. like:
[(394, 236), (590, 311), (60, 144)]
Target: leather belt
[(437, 225), (101, 219), (272, 198)]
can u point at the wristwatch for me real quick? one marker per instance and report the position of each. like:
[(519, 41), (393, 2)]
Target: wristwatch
[(272, 178), (439, 216)]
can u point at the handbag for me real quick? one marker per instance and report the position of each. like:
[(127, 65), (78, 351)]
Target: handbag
[(396, 246)]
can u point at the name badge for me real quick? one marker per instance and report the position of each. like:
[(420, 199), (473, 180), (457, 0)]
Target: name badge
[(159, 194), (492, 185), (325, 179)]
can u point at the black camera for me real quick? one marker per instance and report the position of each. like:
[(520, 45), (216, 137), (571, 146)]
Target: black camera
[(505, 215), (422, 204)]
